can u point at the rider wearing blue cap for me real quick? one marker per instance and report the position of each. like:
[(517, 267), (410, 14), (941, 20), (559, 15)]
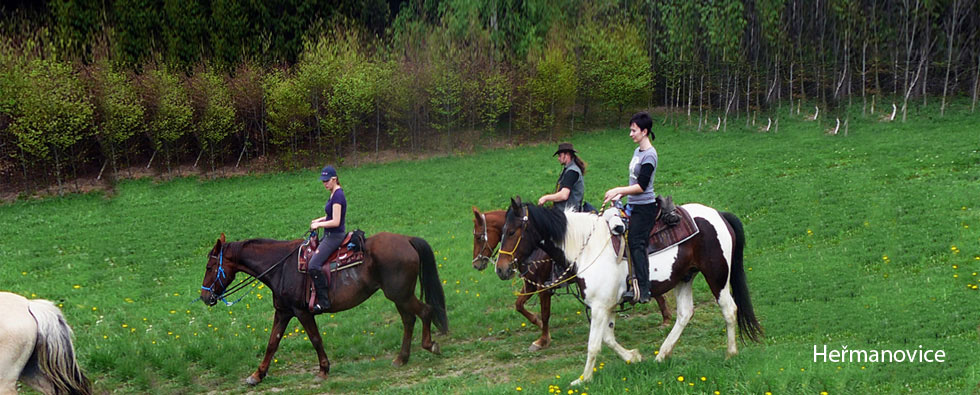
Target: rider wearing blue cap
[(334, 232)]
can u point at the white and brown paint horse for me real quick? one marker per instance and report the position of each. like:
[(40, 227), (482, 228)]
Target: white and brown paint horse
[(536, 271), (36, 348), (584, 238)]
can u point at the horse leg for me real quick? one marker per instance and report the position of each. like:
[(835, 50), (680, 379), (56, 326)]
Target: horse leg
[(685, 309), (545, 340), (313, 332), (630, 356), (664, 313), (279, 323), (523, 298), (408, 325), (728, 310), (18, 335), (600, 322)]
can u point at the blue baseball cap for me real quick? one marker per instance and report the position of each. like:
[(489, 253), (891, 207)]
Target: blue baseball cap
[(327, 173)]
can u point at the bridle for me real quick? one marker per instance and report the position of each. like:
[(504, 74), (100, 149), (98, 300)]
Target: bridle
[(519, 238), (486, 243), (219, 278)]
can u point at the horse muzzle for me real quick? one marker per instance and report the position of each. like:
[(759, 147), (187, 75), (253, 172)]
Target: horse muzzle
[(506, 272), (210, 299), (481, 262)]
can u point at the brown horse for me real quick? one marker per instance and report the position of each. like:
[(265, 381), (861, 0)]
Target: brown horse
[(392, 263), (536, 271)]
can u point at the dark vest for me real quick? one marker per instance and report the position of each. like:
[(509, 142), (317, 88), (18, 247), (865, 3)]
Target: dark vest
[(576, 192)]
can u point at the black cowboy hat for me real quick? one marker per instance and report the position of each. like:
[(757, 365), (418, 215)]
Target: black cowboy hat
[(563, 147)]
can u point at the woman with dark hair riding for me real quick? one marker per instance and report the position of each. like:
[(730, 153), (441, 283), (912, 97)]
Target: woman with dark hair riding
[(333, 224), (571, 181), (642, 203)]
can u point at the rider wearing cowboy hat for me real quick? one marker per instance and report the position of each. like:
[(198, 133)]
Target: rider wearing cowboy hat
[(571, 181)]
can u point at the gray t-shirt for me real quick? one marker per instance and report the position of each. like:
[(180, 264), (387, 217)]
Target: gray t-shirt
[(640, 158)]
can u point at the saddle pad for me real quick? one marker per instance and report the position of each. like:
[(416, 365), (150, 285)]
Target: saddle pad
[(663, 237)]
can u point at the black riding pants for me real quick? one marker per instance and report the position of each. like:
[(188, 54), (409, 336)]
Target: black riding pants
[(641, 222), (327, 246)]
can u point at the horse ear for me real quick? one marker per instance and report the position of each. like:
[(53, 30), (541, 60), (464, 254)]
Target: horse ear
[(515, 202), (478, 218), (222, 238)]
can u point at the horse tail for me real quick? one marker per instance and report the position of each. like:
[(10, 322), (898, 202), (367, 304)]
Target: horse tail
[(54, 352), (748, 325), (431, 286)]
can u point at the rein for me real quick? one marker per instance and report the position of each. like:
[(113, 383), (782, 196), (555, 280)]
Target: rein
[(241, 285), (542, 287)]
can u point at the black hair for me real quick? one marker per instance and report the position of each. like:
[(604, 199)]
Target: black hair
[(644, 122)]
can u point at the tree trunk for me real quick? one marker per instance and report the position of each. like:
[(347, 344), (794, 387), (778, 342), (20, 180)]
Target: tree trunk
[(949, 54), (864, 77)]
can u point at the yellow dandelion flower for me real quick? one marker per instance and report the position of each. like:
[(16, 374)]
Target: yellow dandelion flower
[(823, 392), (680, 378), (125, 326), (94, 308), (23, 273), (717, 392), (558, 376), (173, 311), (703, 378), (519, 389), (76, 286)]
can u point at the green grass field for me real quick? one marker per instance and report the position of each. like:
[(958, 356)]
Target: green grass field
[(870, 241)]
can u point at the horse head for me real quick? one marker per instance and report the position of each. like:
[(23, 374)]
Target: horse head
[(514, 246), (218, 273), (486, 236)]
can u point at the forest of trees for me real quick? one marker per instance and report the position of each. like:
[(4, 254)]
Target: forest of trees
[(98, 86)]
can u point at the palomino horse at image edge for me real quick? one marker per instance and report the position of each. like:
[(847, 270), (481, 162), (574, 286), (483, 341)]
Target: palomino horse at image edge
[(536, 271), (36, 348), (716, 251), (392, 263)]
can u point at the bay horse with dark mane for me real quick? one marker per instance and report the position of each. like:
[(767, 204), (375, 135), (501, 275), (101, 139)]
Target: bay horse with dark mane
[(585, 240), (392, 263), (536, 271)]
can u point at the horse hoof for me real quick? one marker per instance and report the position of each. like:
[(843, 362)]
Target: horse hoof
[(534, 347), (435, 349), (635, 357), (251, 380), (397, 363), (320, 377), (661, 357), (577, 382)]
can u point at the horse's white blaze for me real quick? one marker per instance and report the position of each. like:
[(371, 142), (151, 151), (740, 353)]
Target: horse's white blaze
[(662, 263)]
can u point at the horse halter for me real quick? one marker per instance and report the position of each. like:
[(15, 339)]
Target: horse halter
[(518, 244), (486, 243)]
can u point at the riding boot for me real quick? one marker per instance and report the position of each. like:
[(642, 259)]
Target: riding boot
[(320, 285)]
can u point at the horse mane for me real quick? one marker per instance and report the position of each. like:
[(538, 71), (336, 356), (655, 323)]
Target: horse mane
[(548, 222)]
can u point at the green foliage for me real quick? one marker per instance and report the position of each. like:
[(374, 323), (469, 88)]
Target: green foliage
[(118, 111), (289, 111), (214, 114), (551, 88), (615, 68), (494, 98), (168, 107), (445, 97), (49, 110), (75, 24), (186, 31), (724, 21), (136, 28)]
